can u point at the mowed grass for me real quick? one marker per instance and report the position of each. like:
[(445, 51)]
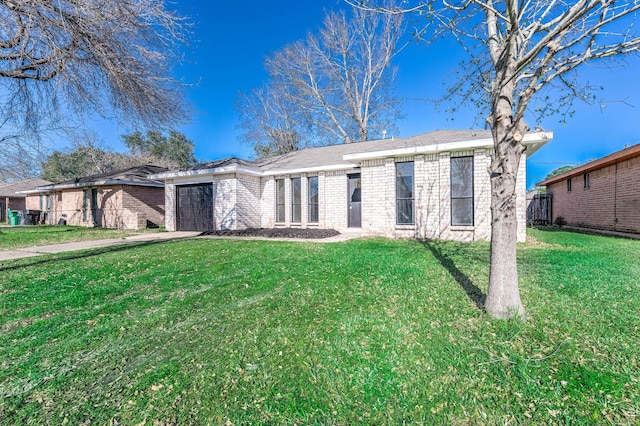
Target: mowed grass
[(210, 331), (28, 236)]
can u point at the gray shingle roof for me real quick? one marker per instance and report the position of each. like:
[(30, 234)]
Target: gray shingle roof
[(346, 156), (131, 176), (333, 154), (230, 161), (10, 189)]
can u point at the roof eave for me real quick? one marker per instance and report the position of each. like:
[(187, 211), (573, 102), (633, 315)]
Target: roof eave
[(600, 163), (50, 188), (316, 169), (533, 142), (212, 171)]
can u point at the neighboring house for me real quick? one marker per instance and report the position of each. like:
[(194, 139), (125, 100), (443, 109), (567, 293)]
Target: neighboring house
[(120, 199), (603, 194), (434, 185), (12, 198)]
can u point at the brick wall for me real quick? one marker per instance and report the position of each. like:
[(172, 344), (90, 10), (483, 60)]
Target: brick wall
[(143, 206), (224, 202), (268, 202), (612, 201), (248, 202), (170, 222), (119, 206), (67, 202), (334, 188)]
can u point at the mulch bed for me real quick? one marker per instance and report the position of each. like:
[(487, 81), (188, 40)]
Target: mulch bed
[(276, 233)]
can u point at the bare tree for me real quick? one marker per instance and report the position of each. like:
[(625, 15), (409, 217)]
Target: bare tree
[(336, 85), (269, 123), (523, 52), (69, 58)]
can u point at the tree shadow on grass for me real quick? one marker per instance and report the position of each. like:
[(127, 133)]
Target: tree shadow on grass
[(477, 296), (80, 254)]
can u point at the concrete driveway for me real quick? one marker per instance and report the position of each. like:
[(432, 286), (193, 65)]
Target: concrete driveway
[(83, 245)]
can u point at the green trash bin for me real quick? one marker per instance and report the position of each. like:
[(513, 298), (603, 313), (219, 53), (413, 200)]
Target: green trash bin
[(14, 218)]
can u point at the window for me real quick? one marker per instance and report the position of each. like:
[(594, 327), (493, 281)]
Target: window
[(313, 198), (404, 193), (85, 205), (587, 181), (569, 185), (280, 200), (296, 200), (462, 191)]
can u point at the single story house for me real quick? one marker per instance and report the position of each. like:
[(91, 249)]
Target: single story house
[(602, 194), (121, 199), (434, 185), (11, 197)]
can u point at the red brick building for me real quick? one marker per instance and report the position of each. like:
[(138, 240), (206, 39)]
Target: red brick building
[(121, 199), (603, 194)]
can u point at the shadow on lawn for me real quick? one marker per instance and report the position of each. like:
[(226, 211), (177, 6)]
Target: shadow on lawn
[(82, 254), (476, 295)]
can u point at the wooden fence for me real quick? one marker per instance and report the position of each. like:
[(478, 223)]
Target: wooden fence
[(539, 210)]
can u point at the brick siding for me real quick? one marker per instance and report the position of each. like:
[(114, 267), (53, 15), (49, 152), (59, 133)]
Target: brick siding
[(119, 206), (612, 202)]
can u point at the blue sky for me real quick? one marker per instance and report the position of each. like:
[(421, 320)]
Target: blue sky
[(232, 40)]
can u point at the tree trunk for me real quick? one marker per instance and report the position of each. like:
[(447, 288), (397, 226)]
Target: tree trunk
[(503, 295)]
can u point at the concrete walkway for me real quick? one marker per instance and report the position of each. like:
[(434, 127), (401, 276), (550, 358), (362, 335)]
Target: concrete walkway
[(156, 236), (83, 245)]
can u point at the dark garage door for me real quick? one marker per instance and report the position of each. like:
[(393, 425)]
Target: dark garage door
[(195, 207)]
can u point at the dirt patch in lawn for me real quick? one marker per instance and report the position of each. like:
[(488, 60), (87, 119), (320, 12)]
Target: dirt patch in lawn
[(276, 233)]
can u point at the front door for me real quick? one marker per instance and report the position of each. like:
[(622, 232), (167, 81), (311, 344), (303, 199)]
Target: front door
[(353, 188)]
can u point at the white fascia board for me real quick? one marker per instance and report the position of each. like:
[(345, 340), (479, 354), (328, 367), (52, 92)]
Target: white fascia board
[(536, 140), (417, 150), (200, 172), (316, 169)]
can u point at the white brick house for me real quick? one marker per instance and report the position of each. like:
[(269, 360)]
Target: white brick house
[(434, 185)]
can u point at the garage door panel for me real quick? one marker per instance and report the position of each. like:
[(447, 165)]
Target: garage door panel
[(195, 207)]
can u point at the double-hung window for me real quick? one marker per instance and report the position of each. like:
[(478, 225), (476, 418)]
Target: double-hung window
[(296, 200), (280, 206), (313, 199), (462, 191), (404, 193)]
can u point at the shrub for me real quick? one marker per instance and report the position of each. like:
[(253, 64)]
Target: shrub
[(560, 221)]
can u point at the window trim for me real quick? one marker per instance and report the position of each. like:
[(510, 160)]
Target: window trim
[(310, 204), (413, 195), (471, 197), (587, 180)]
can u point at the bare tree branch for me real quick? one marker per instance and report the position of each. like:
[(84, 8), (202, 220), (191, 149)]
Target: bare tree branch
[(336, 85), (66, 59)]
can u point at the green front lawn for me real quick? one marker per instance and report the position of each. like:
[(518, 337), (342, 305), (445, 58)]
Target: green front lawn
[(212, 331), (29, 236)]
